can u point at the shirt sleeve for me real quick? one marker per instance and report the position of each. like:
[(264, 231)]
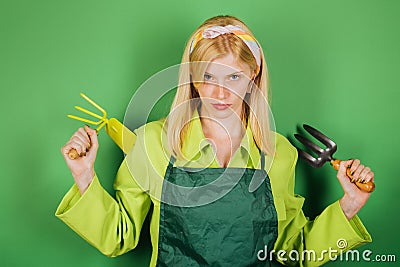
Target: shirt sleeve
[(112, 225), (305, 242)]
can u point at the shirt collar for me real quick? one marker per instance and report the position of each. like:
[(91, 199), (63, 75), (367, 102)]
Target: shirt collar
[(195, 141)]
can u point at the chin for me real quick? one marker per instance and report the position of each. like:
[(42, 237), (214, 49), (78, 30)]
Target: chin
[(219, 114)]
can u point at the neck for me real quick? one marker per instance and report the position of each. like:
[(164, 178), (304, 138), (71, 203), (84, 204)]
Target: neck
[(220, 128)]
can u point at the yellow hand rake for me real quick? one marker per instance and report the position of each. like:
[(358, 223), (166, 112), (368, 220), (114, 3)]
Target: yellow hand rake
[(121, 135)]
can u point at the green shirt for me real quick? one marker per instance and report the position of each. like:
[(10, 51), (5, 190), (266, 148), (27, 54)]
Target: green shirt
[(113, 225)]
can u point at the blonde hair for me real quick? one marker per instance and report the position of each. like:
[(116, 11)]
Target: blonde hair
[(187, 98)]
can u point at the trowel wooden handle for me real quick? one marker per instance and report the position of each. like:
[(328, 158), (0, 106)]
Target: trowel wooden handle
[(73, 154), (367, 186)]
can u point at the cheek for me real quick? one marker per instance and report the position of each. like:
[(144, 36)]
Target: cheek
[(206, 89), (238, 99), (239, 90)]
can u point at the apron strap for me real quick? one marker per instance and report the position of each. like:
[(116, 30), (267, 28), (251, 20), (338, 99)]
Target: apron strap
[(262, 160), (171, 161)]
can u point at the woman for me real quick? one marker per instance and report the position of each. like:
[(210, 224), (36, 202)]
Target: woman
[(219, 180)]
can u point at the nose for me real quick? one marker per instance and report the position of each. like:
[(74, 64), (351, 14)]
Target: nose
[(221, 92)]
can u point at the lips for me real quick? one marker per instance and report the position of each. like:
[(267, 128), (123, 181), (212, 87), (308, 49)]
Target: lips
[(221, 106)]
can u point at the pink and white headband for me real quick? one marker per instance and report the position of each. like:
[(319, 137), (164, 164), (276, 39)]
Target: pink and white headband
[(215, 31)]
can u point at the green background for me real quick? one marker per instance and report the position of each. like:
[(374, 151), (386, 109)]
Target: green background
[(333, 64)]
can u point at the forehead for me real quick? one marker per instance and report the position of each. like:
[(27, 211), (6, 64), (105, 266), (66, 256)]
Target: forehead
[(226, 65)]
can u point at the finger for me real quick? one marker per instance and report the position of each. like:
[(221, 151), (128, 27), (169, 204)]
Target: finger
[(84, 134), (354, 165), (344, 180), (83, 138), (356, 175), (67, 147), (364, 173), (79, 141), (93, 137), (79, 147), (369, 177), (344, 164), (66, 150), (342, 170)]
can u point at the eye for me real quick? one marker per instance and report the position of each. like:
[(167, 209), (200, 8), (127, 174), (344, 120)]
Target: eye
[(235, 77), (207, 77)]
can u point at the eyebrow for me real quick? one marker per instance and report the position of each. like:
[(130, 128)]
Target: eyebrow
[(226, 75)]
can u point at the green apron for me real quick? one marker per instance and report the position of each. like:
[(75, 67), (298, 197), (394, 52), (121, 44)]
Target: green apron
[(228, 231)]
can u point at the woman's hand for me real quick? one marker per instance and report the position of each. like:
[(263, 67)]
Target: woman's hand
[(84, 140), (354, 198)]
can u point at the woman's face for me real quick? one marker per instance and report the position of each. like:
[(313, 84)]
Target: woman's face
[(224, 87)]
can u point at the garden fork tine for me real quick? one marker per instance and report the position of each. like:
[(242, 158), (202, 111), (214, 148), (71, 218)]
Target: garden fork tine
[(321, 137), (102, 119), (316, 163), (325, 155)]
